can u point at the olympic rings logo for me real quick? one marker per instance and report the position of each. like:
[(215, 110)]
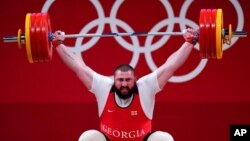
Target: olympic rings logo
[(148, 46)]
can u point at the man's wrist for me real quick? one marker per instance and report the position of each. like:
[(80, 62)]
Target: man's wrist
[(56, 43)]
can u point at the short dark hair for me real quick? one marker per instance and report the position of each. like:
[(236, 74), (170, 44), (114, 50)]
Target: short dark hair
[(124, 68)]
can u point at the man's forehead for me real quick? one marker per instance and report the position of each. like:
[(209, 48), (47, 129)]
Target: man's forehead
[(124, 73)]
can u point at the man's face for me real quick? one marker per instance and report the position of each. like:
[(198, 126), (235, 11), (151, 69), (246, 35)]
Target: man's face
[(124, 82)]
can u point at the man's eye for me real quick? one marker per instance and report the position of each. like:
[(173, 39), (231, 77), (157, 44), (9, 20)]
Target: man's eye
[(128, 79)]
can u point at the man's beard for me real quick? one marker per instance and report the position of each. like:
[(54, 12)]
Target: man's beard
[(125, 96)]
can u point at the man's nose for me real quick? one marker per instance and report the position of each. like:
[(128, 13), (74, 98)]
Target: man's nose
[(124, 83)]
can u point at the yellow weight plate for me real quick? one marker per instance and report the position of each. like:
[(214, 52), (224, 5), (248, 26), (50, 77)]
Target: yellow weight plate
[(219, 27), (27, 37)]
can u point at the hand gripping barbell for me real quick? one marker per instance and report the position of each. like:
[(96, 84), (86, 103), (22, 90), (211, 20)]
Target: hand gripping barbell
[(38, 36)]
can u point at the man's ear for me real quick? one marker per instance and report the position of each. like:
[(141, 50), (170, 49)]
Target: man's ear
[(135, 78)]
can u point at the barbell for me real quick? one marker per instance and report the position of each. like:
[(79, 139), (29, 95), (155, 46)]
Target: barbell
[(38, 36)]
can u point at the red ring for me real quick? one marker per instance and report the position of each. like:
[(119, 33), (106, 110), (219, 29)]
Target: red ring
[(213, 33), (50, 47), (38, 37), (44, 34), (202, 35), (208, 35), (47, 29), (33, 38)]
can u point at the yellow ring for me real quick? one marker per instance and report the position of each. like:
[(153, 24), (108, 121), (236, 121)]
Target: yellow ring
[(19, 38), (219, 27), (230, 34), (27, 37)]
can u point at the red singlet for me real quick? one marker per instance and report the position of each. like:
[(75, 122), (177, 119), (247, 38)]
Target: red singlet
[(129, 123)]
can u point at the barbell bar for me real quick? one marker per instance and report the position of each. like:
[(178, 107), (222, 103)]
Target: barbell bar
[(38, 36)]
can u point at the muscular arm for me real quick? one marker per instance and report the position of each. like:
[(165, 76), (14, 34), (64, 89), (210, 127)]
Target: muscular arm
[(76, 64), (175, 61)]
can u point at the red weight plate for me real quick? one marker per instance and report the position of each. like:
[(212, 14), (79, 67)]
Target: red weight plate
[(33, 47), (38, 37), (47, 28), (202, 35), (36, 22), (50, 47), (208, 35), (213, 34), (44, 34)]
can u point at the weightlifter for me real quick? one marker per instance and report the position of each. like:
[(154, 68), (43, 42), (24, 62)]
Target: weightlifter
[(125, 103)]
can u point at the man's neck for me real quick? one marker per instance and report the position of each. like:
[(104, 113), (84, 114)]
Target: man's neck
[(123, 102)]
